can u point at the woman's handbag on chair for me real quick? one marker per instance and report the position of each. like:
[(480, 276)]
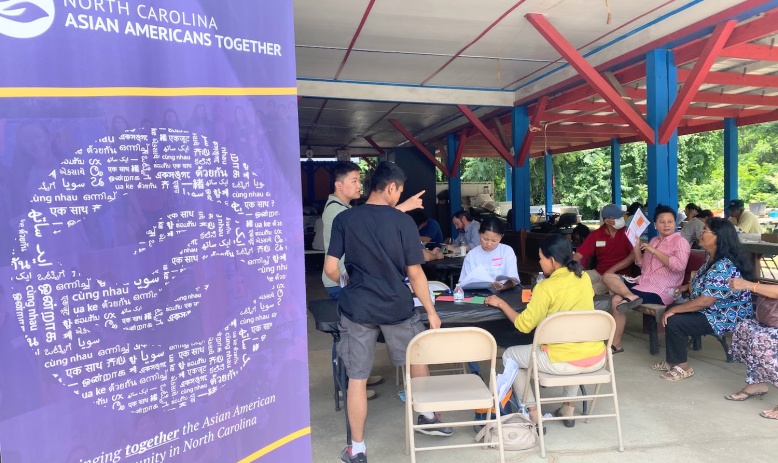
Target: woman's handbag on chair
[(518, 433), (766, 310)]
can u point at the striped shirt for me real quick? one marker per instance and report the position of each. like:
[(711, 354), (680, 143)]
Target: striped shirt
[(657, 278)]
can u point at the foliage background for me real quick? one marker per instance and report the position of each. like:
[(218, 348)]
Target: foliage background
[(583, 178)]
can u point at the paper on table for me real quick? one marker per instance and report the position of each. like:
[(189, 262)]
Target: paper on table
[(448, 299), (637, 227), (476, 300), (479, 278)]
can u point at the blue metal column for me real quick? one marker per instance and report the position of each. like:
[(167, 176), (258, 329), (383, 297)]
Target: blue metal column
[(454, 180), (615, 171), (549, 177), (730, 161), (520, 174), (662, 88), (508, 182)]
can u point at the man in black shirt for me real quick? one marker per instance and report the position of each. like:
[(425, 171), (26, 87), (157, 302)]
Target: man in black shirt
[(381, 247)]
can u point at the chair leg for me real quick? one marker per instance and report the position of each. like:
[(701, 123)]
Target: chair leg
[(594, 402), (584, 404), (343, 387), (696, 343), (335, 370), (723, 341), (653, 335)]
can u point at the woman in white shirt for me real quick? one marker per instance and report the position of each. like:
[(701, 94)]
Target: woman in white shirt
[(496, 258)]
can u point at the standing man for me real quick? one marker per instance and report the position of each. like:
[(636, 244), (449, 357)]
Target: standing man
[(744, 220), (468, 231), (609, 245), (348, 187), (376, 300)]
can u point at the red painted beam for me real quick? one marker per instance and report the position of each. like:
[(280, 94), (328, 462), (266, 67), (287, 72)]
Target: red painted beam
[(751, 51), (418, 145), (697, 76), (736, 99), (462, 50), (354, 38), (588, 72), (540, 108), (460, 151), (584, 118), (496, 144), (374, 144), (755, 29), (731, 78)]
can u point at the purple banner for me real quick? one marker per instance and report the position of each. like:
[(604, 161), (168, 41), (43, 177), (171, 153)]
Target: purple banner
[(150, 232)]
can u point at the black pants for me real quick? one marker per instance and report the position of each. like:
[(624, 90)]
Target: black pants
[(679, 327)]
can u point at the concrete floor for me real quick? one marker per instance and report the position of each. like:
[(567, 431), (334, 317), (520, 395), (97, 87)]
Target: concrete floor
[(662, 421)]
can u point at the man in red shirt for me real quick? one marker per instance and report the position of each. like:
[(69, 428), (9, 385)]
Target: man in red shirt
[(609, 245)]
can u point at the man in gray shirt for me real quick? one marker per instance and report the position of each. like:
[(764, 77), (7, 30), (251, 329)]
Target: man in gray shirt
[(468, 232)]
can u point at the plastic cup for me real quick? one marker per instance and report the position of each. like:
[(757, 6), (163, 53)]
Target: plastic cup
[(526, 295)]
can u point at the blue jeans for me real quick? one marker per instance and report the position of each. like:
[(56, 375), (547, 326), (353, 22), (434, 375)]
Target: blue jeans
[(333, 291)]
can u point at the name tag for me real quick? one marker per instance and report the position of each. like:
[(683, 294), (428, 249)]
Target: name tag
[(600, 244), (497, 262)]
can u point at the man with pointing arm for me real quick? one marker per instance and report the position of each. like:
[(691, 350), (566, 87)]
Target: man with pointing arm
[(376, 300)]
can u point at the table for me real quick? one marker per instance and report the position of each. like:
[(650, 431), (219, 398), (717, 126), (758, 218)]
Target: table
[(445, 269), (757, 249)]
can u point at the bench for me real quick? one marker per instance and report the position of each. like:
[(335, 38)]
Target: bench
[(652, 313)]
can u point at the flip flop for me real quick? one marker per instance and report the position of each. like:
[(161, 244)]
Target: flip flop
[(616, 350), (764, 414), (747, 395), (626, 305)]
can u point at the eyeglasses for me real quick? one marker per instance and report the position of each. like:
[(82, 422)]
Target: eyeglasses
[(706, 231)]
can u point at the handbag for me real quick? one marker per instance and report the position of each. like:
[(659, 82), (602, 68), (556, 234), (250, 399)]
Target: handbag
[(766, 310), (518, 433)]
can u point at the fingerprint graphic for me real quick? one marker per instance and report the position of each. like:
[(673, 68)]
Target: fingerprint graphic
[(174, 315)]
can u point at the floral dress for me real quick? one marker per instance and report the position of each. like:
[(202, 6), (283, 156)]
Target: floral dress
[(756, 345)]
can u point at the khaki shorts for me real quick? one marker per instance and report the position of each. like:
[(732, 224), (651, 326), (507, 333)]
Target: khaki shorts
[(597, 284), (357, 343)]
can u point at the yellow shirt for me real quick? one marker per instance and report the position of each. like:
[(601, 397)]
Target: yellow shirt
[(561, 292), (748, 223)]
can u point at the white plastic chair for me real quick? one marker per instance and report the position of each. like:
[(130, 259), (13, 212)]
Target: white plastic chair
[(577, 326), (450, 392)]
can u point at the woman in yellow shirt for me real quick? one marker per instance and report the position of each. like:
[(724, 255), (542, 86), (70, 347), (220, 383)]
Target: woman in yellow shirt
[(566, 288)]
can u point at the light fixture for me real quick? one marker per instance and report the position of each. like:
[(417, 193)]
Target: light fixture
[(309, 153), (342, 154)]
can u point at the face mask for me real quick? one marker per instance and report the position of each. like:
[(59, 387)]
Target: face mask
[(619, 224)]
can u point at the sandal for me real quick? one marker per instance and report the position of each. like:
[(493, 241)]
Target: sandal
[(616, 350), (765, 414), (677, 373), (747, 395), (626, 305), (661, 366)]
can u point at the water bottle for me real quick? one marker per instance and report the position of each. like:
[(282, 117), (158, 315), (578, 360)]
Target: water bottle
[(540, 278), (459, 295)]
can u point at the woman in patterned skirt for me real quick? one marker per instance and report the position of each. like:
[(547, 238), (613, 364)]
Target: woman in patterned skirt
[(756, 345), (712, 308)]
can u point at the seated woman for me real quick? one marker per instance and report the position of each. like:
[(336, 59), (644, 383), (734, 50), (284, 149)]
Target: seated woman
[(565, 289), (756, 345), (693, 227), (712, 307), (662, 262), (497, 258)]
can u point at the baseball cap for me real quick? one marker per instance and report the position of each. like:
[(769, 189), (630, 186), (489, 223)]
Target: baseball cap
[(611, 211), (735, 204)]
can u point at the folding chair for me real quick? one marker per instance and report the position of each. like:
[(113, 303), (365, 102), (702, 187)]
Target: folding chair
[(577, 326), (450, 392), (400, 371)]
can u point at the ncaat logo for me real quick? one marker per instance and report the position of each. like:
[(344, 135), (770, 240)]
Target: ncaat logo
[(23, 19)]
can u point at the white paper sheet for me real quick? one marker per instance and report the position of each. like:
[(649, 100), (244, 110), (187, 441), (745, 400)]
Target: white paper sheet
[(637, 227), (479, 278)]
